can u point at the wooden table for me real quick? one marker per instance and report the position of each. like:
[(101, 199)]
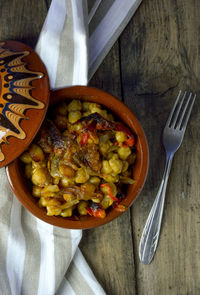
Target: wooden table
[(157, 54)]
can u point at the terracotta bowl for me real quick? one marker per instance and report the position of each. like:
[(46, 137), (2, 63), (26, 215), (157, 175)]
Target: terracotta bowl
[(21, 189)]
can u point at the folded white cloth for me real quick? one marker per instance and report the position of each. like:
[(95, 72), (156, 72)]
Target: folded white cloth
[(35, 257)]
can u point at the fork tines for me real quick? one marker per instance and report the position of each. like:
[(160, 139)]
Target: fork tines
[(181, 111)]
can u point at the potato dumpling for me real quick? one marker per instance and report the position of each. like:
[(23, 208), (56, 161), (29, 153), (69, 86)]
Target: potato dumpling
[(36, 191), (36, 153), (67, 212), (106, 202), (95, 180), (112, 155), (41, 177), (104, 147), (65, 181), (106, 167), (99, 111), (53, 202), (74, 116), (67, 171), (53, 210), (68, 197), (81, 176), (86, 105), (43, 202), (116, 165), (76, 127), (120, 136), (124, 152), (75, 105), (88, 190), (37, 165), (93, 105), (111, 177), (115, 156), (50, 190), (82, 207), (96, 108), (26, 158)]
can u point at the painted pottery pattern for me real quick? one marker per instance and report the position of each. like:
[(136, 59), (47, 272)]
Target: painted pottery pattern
[(15, 94)]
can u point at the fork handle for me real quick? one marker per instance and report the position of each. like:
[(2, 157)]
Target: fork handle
[(150, 235)]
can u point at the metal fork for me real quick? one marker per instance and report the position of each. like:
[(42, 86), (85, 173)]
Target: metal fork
[(172, 138)]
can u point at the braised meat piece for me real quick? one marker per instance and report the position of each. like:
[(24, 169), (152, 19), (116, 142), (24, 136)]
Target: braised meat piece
[(91, 156)]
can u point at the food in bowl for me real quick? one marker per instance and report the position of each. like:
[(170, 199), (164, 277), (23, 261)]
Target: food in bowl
[(80, 161)]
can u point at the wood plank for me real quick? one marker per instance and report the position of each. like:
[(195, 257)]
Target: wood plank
[(159, 52), (108, 249), (22, 20)]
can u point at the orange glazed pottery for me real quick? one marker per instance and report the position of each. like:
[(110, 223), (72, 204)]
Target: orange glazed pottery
[(19, 183), (24, 98)]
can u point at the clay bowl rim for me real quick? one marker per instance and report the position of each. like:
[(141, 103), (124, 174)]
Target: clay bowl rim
[(19, 184)]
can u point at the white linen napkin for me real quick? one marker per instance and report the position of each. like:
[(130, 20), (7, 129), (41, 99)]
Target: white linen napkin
[(35, 257)]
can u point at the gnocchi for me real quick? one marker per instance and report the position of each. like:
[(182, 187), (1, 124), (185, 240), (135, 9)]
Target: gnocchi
[(79, 161)]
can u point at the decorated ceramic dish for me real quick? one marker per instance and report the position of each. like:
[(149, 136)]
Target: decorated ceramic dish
[(24, 93), (57, 195)]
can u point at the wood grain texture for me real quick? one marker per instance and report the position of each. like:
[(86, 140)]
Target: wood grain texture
[(22, 20), (158, 53)]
